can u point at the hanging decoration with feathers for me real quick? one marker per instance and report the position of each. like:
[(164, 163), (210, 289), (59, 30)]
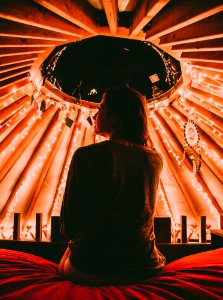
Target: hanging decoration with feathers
[(191, 145)]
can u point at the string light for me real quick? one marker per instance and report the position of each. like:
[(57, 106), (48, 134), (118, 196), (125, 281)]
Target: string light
[(197, 79), (165, 140), (205, 87), (166, 206), (211, 153), (17, 139), (197, 186), (15, 119), (49, 72), (62, 184), (209, 102), (172, 71), (176, 118), (196, 115), (34, 171), (16, 95)]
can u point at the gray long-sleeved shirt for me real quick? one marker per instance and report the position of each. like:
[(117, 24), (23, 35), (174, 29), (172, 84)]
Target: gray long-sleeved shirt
[(108, 208)]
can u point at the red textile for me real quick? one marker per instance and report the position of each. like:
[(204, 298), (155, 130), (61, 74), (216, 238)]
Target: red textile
[(29, 277)]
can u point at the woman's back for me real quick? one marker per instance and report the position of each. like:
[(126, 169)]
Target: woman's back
[(111, 223)]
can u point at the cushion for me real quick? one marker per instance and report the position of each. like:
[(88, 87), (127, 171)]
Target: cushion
[(28, 277)]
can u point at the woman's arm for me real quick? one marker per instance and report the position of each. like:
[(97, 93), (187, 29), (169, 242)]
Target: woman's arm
[(71, 200)]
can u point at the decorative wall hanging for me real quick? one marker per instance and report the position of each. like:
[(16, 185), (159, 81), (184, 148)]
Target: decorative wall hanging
[(192, 139), (191, 134)]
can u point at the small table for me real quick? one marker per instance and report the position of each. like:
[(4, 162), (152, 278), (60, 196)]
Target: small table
[(216, 238)]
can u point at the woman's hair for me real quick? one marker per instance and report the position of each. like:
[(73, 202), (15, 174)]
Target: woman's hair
[(126, 113)]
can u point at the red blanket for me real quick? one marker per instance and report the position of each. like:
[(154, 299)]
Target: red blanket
[(29, 277)]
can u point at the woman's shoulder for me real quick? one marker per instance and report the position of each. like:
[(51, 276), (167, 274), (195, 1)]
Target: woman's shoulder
[(92, 148), (157, 154)]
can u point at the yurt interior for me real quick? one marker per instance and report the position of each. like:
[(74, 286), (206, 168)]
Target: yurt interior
[(56, 59)]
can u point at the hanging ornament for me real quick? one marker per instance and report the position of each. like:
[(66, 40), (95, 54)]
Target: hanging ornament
[(90, 121), (31, 99), (43, 105), (156, 89), (192, 138), (68, 122)]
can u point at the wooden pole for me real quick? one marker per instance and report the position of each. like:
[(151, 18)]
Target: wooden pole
[(162, 229), (38, 236), (202, 236), (16, 226), (56, 235), (183, 229)]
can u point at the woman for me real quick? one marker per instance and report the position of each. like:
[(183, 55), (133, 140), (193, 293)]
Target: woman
[(109, 202)]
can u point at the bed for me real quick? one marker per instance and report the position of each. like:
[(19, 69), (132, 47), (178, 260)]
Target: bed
[(29, 277)]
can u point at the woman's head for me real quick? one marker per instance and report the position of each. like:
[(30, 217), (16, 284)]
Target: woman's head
[(122, 115)]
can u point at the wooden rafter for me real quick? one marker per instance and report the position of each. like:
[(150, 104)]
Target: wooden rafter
[(16, 29), (207, 65), (15, 78), (111, 11), (209, 45), (70, 146), (13, 86), (25, 42), (19, 151), (122, 32), (4, 61), (13, 73), (211, 82), (14, 51), (209, 28), (205, 114), (179, 14), (16, 66), (203, 99), (14, 107), (30, 13), (36, 190), (211, 74), (77, 12), (212, 56), (209, 89), (204, 95), (144, 12)]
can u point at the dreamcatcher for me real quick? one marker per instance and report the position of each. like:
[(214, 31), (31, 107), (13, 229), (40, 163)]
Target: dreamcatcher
[(192, 139)]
